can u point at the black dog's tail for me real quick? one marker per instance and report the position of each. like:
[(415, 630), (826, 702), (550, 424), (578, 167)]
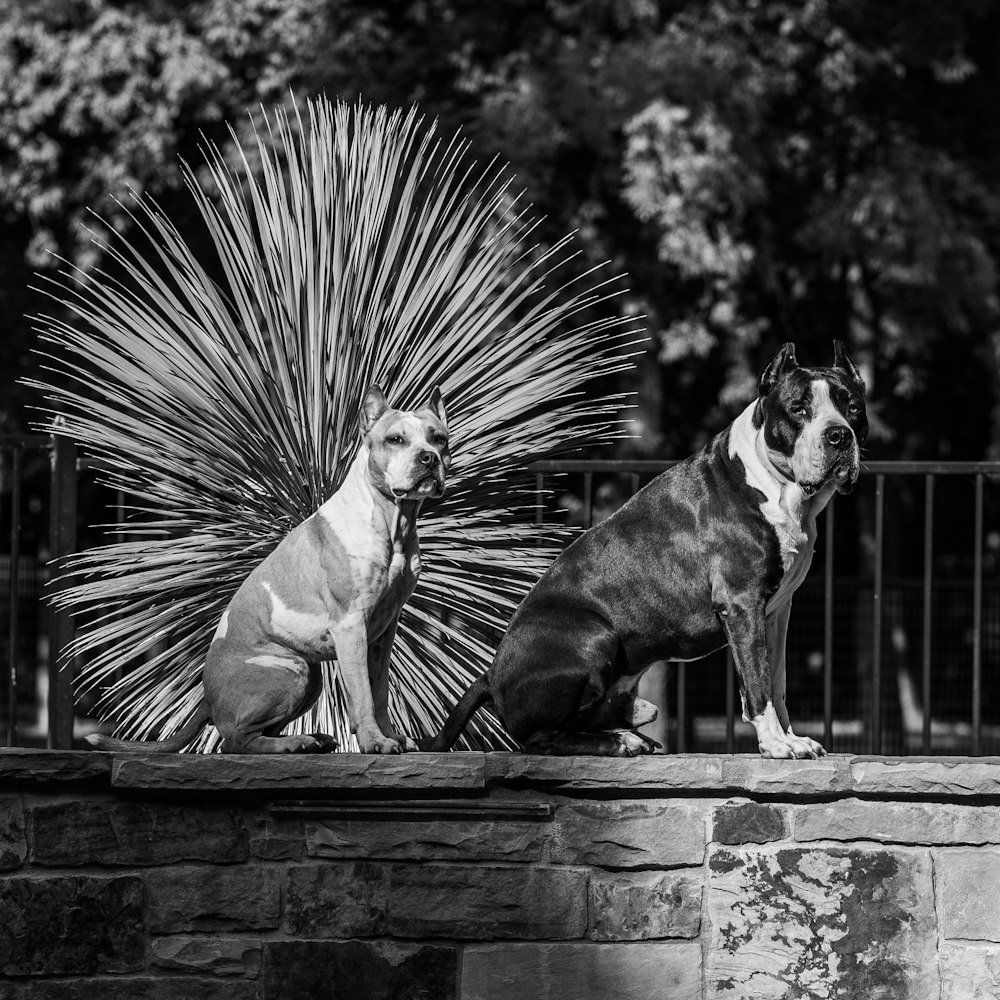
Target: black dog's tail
[(178, 741), (477, 695)]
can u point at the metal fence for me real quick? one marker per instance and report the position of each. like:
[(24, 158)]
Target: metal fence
[(911, 560)]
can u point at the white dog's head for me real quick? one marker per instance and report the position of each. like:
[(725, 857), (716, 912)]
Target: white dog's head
[(407, 449)]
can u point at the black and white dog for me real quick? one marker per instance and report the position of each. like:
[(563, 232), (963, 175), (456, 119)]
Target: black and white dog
[(708, 553)]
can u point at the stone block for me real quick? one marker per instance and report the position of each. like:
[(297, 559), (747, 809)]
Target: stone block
[(13, 845), (140, 988), (273, 838), (575, 970), (631, 833), (897, 822), (959, 776), (435, 839), (208, 953), (970, 972), (24, 766), (969, 893), (103, 831), (748, 823), (207, 898), (476, 902), (358, 970), (336, 900), (636, 906), (837, 922), (70, 924), (788, 778), (285, 773)]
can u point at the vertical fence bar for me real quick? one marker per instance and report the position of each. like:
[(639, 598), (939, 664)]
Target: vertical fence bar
[(730, 702), (977, 625), (588, 499), (62, 531), (15, 611), (828, 629), (681, 708), (877, 616), (925, 735)]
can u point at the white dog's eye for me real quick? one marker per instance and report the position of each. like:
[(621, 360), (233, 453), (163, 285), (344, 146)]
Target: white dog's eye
[(439, 440), (394, 439)]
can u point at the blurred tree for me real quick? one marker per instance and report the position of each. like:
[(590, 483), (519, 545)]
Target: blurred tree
[(764, 170)]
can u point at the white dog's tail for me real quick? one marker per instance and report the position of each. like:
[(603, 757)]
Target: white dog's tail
[(178, 741)]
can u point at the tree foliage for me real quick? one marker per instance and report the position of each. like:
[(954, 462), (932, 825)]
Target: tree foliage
[(763, 170)]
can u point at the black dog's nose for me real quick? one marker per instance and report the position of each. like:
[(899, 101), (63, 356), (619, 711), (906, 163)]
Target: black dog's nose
[(427, 458), (837, 435)]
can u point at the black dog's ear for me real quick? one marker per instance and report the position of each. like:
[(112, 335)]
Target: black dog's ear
[(372, 407), (436, 405), (842, 360), (782, 363)]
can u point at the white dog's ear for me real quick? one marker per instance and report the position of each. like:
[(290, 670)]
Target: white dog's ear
[(373, 406), (436, 405)]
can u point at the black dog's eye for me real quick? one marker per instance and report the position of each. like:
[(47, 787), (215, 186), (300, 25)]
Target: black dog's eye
[(394, 439), (854, 409), (798, 409)]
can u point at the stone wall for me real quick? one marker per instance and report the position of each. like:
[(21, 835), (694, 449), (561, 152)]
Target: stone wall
[(472, 876)]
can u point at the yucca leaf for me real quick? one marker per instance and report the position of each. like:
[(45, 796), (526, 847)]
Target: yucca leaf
[(353, 247)]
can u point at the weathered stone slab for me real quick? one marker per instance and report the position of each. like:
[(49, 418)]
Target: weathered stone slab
[(19, 765), (957, 776), (140, 988), (897, 822), (970, 972), (331, 773), (730, 774), (219, 956), (13, 844), (207, 898), (660, 772), (638, 906), (630, 833), (439, 839), (476, 902), (786, 778), (839, 923), (359, 970), (105, 831), (70, 924), (748, 823), (572, 971), (969, 893), (336, 900)]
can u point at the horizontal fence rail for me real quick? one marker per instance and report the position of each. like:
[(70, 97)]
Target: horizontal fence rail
[(633, 472), (53, 468)]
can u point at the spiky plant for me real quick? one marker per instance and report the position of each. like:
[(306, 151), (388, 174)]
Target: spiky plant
[(352, 247)]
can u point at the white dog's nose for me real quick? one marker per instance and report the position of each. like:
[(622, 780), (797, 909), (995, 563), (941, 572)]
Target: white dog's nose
[(427, 458)]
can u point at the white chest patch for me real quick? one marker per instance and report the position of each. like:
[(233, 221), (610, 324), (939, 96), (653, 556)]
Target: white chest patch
[(785, 507)]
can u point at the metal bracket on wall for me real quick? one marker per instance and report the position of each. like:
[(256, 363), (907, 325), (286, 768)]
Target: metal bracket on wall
[(412, 810)]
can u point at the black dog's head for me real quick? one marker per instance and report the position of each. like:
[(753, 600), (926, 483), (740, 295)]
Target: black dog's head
[(814, 419)]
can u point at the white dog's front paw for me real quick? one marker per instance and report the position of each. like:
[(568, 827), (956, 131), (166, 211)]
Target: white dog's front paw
[(373, 741)]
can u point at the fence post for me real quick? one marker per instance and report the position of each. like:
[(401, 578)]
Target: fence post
[(62, 542)]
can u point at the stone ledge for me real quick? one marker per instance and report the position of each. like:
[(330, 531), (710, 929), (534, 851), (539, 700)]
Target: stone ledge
[(472, 773)]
